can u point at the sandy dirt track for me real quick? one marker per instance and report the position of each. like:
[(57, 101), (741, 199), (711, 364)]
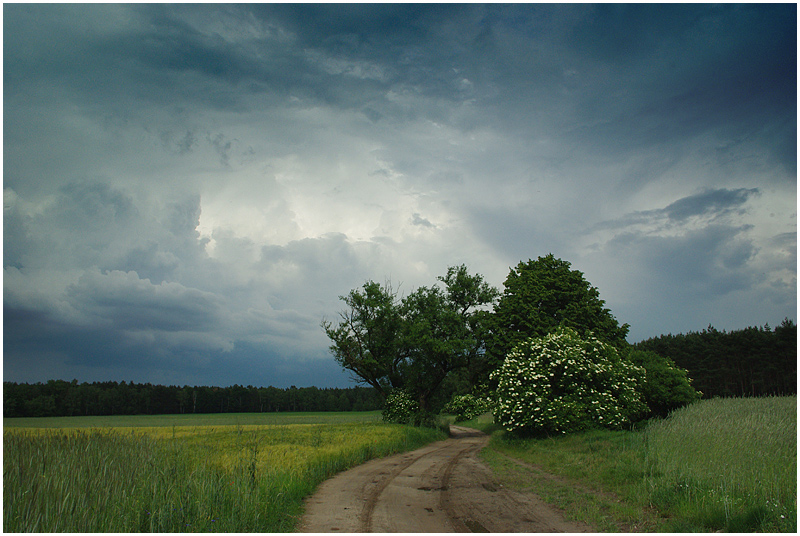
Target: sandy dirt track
[(442, 487)]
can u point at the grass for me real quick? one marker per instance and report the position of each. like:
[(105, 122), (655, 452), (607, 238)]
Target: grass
[(718, 465), (727, 464), (182, 478), (192, 419), (595, 477)]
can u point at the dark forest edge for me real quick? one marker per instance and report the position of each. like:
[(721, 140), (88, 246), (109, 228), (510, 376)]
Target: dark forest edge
[(59, 398), (755, 361)]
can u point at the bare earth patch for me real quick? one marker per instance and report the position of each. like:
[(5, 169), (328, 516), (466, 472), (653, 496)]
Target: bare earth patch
[(442, 487)]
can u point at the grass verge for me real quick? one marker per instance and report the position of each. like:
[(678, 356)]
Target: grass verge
[(718, 465)]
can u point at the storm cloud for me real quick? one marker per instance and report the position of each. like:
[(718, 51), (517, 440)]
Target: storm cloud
[(188, 189)]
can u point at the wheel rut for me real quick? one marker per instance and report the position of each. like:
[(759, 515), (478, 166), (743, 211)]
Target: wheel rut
[(365, 517), (442, 487)]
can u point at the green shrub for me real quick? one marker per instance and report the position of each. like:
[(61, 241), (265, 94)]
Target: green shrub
[(400, 408), (467, 407), (666, 386), (564, 383)]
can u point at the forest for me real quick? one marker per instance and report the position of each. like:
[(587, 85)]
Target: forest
[(59, 398), (755, 361)]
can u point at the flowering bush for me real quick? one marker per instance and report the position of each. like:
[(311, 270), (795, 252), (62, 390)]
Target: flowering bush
[(562, 383), (400, 408), (466, 407)]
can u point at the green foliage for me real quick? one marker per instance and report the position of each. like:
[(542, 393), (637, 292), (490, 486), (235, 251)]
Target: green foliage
[(666, 386), (416, 343), (367, 339), (467, 407), (541, 295), (400, 408), (58, 398), (564, 383), (443, 332)]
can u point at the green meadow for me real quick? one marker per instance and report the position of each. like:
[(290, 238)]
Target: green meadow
[(210, 473), (718, 465)]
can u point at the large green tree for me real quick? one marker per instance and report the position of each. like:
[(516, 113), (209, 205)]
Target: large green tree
[(367, 339), (444, 331), (415, 343), (540, 296)]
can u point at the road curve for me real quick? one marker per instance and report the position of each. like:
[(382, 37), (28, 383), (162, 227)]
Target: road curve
[(442, 487)]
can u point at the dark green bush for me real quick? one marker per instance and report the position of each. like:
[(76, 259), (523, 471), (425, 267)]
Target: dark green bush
[(666, 386)]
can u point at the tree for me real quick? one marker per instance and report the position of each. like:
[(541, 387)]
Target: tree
[(413, 344), (366, 341), (444, 331), (748, 362), (540, 296)]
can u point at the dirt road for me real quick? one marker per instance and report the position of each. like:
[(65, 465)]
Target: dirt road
[(442, 487)]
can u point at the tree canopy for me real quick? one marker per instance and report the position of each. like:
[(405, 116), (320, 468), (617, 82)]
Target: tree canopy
[(416, 342), (754, 361), (540, 296), (453, 338), (367, 338)]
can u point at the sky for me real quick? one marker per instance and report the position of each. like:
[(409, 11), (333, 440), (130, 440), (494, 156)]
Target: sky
[(188, 189)]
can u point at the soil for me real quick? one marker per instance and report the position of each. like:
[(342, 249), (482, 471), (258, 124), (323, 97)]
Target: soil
[(442, 487)]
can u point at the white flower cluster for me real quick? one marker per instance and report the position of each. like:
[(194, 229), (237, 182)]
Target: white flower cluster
[(399, 407), (561, 383)]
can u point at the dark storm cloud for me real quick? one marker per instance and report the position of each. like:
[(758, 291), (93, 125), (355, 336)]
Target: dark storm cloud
[(94, 224), (709, 204), (712, 201), (705, 262), (690, 245), (191, 187), (124, 301)]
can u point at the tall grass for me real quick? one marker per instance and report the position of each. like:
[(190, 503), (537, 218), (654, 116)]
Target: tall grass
[(243, 478), (726, 464), (717, 465)]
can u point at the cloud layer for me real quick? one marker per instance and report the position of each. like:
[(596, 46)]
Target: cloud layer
[(189, 188)]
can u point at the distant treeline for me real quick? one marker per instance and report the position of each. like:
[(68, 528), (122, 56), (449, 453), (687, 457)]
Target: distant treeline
[(58, 398), (753, 361)]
